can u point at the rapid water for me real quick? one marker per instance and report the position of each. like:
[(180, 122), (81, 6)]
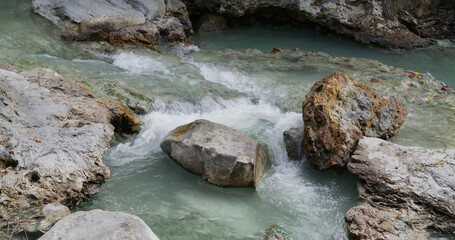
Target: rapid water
[(187, 86)]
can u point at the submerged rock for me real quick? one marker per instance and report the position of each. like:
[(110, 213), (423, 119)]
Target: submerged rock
[(54, 133), (211, 22), (101, 225), (140, 22), (414, 184), (338, 112), (275, 232), (293, 141), (222, 155)]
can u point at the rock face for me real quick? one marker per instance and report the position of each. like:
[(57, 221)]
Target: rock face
[(222, 155), (53, 134), (367, 222), (293, 140), (414, 184), (139, 22), (397, 24), (338, 112), (101, 225)]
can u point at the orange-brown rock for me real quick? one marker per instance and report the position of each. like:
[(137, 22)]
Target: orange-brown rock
[(122, 118), (338, 112)]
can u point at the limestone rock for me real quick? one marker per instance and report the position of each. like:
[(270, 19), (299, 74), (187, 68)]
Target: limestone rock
[(366, 222), (417, 183), (51, 213), (338, 112), (222, 155), (54, 133), (293, 140), (101, 225), (138, 22)]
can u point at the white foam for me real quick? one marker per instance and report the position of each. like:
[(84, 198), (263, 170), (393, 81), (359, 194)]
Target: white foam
[(139, 64)]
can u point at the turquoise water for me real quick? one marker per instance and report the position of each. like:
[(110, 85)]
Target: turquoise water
[(191, 85)]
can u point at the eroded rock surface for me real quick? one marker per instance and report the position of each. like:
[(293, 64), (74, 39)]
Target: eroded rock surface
[(415, 185), (367, 222), (140, 22), (222, 155), (338, 112), (54, 133), (101, 225)]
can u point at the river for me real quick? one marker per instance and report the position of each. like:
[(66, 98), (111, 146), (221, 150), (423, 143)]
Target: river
[(196, 82)]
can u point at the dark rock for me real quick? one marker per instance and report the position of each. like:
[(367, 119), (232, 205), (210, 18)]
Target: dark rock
[(211, 22), (222, 155), (293, 140), (338, 112)]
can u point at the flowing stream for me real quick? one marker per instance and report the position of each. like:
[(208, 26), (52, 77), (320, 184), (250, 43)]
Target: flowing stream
[(194, 82)]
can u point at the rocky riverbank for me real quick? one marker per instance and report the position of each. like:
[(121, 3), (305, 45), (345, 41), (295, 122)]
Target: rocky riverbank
[(394, 24), (54, 133)]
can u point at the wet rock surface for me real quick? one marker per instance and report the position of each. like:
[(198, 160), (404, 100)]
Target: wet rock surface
[(222, 155), (396, 24), (413, 185), (293, 141), (54, 133), (338, 112), (98, 224), (275, 232), (142, 22)]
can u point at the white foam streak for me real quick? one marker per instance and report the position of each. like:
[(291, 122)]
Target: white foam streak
[(138, 64)]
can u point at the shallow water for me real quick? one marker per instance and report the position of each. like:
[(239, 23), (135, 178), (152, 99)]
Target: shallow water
[(438, 60), (224, 87)]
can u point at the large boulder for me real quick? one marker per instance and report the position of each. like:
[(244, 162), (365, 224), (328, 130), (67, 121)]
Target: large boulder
[(100, 225), (338, 112), (222, 155), (414, 185), (138, 22), (53, 135)]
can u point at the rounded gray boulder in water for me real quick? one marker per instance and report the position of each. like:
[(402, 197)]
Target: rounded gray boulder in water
[(222, 155), (101, 225)]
